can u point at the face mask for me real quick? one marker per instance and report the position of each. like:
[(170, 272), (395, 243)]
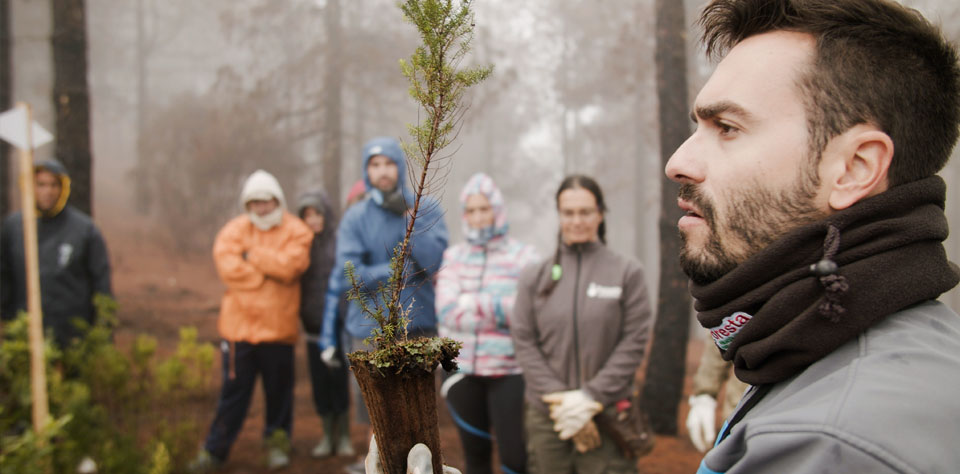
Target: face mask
[(269, 221), (480, 236)]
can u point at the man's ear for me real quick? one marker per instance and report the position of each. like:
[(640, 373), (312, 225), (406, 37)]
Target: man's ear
[(856, 164)]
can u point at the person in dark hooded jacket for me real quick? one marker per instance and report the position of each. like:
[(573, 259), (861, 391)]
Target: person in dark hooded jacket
[(74, 265), (330, 393)]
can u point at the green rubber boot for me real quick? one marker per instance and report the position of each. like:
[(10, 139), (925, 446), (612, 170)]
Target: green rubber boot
[(325, 447), (344, 445)]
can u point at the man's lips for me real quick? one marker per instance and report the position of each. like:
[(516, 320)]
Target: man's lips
[(688, 208)]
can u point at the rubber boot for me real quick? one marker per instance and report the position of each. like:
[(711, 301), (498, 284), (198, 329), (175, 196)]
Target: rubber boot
[(203, 463), (344, 445), (325, 447), (277, 459)]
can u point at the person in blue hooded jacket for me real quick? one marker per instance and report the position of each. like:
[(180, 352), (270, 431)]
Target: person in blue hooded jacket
[(368, 233)]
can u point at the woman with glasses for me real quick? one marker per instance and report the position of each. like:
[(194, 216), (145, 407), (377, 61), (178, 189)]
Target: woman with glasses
[(580, 327)]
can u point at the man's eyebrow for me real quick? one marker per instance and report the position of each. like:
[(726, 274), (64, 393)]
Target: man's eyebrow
[(708, 112)]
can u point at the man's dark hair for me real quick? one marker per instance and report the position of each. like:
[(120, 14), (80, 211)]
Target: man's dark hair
[(876, 62)]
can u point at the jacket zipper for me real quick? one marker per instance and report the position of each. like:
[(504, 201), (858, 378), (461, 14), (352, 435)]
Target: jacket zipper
[(476, 327), (576, 329)]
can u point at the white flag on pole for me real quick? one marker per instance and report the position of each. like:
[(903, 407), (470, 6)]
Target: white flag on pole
[(13, 129)]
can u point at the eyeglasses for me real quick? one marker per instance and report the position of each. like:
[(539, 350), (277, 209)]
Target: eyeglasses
[(571, 214)]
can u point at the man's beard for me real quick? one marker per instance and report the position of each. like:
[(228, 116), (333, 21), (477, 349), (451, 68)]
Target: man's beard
[(756, 217), (385, 185)]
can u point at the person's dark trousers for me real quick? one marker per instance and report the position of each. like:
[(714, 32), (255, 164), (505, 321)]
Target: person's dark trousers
[(331, 393), (548, 453), (477, 402), (242, 362)]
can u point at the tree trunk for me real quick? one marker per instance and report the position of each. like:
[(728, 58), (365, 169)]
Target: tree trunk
[(71, 99), (143, 197), (332, 135), (663, 383), (5, 92), (403, 412)]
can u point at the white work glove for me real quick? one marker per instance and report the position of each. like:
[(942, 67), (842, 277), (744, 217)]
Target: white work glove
[(570, 411), (700, 421), (329, 357), (419, 460), (467, 301)]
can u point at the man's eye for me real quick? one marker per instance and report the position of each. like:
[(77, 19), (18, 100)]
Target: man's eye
[(725, 128)]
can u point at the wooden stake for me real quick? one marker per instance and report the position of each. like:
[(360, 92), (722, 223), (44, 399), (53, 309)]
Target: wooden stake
[(38, 374)]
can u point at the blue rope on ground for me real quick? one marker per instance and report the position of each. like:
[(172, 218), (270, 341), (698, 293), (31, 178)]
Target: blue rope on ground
[(467, 426), (507, 470)]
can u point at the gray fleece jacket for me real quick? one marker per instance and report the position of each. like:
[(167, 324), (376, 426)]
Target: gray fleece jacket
[(888, 401), (589, 333)]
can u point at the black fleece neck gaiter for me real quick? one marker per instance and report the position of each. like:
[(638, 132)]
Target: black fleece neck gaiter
[(395, 202), (822, 284)]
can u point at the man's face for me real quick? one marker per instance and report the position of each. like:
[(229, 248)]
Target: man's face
[(47, 190), (746, 174), (382, 172), (262, 207)]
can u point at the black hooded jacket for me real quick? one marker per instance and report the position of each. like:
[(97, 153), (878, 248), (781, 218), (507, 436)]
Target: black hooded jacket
[(314, 281), (73, 261)]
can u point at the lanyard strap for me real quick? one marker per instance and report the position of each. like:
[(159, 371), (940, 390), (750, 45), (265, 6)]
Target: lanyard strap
[(760, 392)]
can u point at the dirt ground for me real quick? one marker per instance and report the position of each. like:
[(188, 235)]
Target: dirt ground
[(159, 291)]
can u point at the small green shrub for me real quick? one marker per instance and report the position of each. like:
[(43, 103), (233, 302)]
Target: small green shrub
[(131, 412)]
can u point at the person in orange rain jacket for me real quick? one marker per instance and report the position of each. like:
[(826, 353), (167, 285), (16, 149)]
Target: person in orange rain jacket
[(260, 256)]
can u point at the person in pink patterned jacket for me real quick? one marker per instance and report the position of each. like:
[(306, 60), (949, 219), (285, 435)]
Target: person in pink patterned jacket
[(476, 288)]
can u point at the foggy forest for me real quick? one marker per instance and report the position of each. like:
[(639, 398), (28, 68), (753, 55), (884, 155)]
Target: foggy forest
[(188, 98)]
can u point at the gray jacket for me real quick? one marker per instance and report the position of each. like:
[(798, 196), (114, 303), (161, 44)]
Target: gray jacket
[(589, 333), (885, 402)]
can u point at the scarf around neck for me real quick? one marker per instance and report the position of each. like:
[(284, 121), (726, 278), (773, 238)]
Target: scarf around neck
[(824, 283), (268, 221), (394, 201)]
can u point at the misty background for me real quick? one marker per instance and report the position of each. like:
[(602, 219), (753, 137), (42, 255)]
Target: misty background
[(188, 98)]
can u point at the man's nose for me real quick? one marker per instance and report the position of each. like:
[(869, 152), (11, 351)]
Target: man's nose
[(683, 166)]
